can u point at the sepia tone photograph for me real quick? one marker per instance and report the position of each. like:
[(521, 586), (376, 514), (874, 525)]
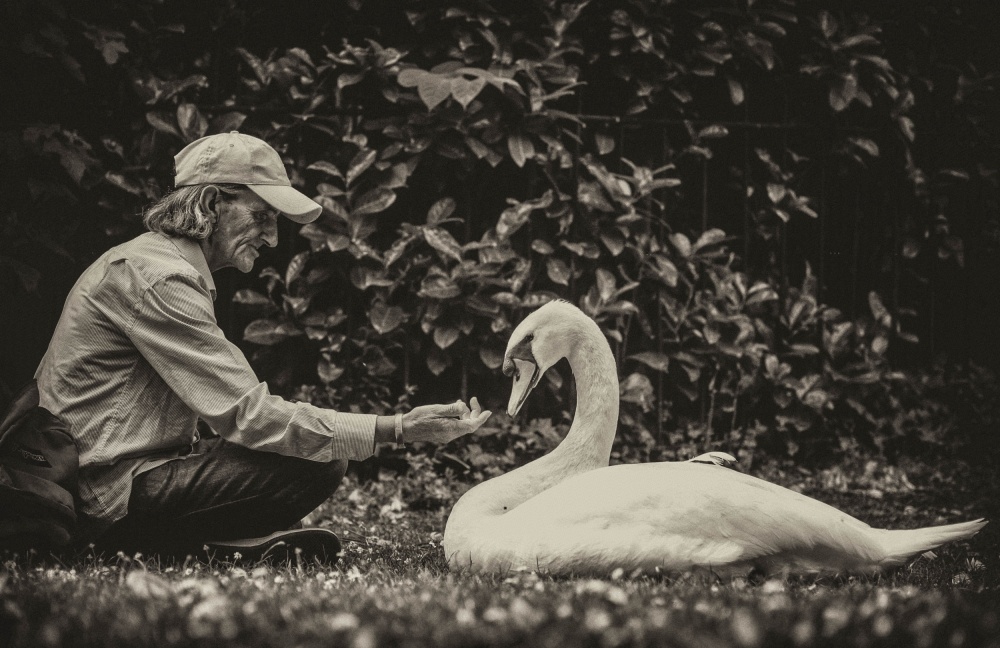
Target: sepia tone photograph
[(443, 323)]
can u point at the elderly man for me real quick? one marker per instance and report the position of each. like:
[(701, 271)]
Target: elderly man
[(137, 359)]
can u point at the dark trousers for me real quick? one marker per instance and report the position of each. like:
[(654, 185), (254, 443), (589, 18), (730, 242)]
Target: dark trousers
[(221, 491)]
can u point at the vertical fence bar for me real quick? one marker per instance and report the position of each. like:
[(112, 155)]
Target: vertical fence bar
[(821, 217), (746, 197), (664, 142), (704, 194), (897, 246), (856, 252), (784, 226)]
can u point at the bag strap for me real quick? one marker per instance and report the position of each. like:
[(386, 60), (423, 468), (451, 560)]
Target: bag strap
[(25, 401)]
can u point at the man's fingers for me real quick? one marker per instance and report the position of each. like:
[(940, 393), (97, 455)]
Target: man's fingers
[(457, 409), (476, 407), (478, 420)]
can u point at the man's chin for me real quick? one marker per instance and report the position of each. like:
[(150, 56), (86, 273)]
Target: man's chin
[(246, 260)]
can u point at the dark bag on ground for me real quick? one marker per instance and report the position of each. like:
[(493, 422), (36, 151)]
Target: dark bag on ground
[(38, 476)]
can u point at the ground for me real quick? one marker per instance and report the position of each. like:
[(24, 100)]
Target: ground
[(392, 586)]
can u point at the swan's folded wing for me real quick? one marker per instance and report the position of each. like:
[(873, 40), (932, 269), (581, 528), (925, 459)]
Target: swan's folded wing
[(676, 515)]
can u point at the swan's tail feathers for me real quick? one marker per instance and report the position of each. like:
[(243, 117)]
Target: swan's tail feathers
[(718, 458), (901, 544)]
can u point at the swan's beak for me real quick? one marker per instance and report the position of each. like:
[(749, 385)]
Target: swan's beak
[(526, 375)]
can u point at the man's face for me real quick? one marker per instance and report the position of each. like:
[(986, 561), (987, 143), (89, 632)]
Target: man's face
[(245, 223)]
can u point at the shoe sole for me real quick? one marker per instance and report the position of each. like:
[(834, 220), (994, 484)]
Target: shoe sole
[(308, 545)]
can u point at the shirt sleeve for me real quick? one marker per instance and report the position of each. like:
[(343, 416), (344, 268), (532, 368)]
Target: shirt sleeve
[(175, 330)]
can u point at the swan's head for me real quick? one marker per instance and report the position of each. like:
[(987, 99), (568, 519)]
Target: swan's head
[(542, 339)]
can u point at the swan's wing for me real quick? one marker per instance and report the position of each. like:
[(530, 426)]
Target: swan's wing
[(677, 515), (723, 459)]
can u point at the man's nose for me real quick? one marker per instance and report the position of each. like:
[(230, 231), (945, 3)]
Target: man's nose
[(269, 232)]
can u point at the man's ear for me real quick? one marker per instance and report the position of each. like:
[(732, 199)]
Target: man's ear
[(210, 200)]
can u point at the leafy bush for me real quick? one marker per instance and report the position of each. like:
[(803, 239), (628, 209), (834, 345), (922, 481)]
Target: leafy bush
[(474, 162)]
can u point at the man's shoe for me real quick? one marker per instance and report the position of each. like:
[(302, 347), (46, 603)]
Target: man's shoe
[(310, 545)]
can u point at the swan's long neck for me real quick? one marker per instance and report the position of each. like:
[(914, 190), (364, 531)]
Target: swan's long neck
[(587, 444)]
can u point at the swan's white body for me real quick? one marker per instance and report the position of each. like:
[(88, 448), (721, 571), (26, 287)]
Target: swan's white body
[(569, 512)]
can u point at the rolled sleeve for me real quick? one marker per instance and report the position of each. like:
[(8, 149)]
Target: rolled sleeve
[(175, 330)]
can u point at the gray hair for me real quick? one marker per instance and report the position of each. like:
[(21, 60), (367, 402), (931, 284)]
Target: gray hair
[(180, 212)]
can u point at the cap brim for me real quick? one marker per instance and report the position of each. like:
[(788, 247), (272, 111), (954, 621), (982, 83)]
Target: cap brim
[(289, 201)]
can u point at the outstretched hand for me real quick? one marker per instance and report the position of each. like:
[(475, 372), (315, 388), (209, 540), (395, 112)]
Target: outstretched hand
[(442, 423)]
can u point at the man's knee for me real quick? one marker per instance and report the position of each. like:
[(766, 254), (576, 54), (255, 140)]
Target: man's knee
[(322, 479), (335, 471)]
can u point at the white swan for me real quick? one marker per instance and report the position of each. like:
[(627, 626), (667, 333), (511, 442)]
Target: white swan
[(568, 512)]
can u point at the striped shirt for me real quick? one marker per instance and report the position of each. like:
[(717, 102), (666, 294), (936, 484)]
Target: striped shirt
[(137, 357)]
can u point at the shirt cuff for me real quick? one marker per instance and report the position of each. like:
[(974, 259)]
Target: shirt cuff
[(355, 435)]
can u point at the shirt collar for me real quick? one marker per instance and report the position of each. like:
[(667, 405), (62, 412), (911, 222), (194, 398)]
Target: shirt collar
[(194, 255)]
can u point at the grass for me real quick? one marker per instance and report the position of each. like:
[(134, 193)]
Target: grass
[(392, 587)]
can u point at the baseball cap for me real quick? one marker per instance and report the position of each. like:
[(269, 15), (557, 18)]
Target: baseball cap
[(236, 158)]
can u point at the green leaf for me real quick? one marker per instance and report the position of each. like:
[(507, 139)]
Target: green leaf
[(682, 243), (374, 201), (879, 311), (557, 270), (759, 293), (859, 39), (708, 239), (328, 371), (843, 91), (337, 242), (192, 123), (442, 241), (268, 332), (160, 122), (907, 128), (538, 298), (482, 305), (445, 336), (605, 143), (441, 210), (653, 360), (410, 77), (433, 89), (359, 164), (256, 65), (542, 247), (248, 297), (506, 299), (326, 167), (491, 357), (736, 94), (385, 319), (364, 277), (437, 361), (614, 240), (665, 270), (637, 388), (226, 122), (713, 131), (605, 284), (465, 90), (295, 267), (827, 23), (439, 287), (584, 249), (520, 147)]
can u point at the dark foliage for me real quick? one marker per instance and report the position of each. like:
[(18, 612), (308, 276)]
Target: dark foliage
[(475, 161)]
